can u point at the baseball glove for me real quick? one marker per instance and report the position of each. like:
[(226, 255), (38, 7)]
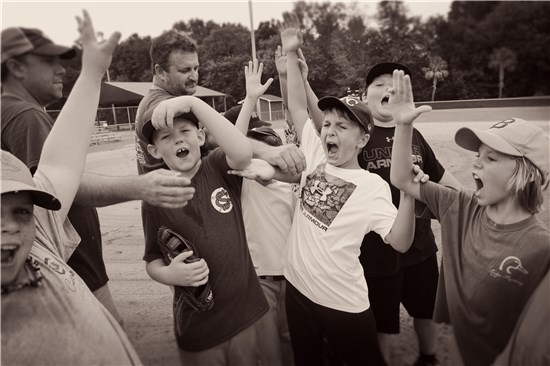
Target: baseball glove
[(172, 244)]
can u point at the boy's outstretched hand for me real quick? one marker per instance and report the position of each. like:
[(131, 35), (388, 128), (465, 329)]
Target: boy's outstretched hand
[(401, 100), (290, 33), (257, 169), (253, 77), (96, 57)]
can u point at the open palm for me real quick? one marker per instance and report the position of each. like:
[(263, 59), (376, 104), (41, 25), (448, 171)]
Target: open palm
[(401, 101)]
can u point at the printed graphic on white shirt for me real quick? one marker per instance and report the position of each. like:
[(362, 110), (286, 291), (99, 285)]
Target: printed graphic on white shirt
[(221, 200), (323, 196), (510, 269)]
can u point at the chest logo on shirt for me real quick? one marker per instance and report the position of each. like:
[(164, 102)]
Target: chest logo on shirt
[(380, 157), (68, 275), (323, 196), (510, 269), (221, 201)]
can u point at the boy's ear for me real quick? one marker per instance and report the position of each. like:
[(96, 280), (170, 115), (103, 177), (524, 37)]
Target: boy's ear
[(363, 141), (202, 136), (364, 97), (153, 151)]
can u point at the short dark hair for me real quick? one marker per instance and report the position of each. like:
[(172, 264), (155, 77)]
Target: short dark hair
[(168, 42)]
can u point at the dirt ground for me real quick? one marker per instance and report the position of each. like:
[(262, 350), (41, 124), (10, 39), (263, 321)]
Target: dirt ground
[(146, 305)]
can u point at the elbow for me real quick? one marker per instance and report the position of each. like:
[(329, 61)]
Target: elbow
[(396, 180)]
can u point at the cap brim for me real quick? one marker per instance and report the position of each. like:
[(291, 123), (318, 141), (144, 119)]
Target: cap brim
[(39, 197), (256, 123), (471, 138), (55, 50)]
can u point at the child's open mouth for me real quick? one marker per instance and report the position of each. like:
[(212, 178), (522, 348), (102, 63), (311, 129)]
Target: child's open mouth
[(479, 184), (8, 253), (182, 153), (385, 100), (332, 149)]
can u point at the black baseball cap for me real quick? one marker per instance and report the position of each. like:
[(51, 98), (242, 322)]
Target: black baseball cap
[(18, 41), (354, 106), (383, 68)]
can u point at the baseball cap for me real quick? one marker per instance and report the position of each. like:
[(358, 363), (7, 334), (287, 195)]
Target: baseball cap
[(265, 134), (383, 68), (16, 177), (148, 129), (17, 41), (354, 106), (233, 113), (513, 136)]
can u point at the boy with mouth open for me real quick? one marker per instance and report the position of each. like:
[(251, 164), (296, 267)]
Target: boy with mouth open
[(228, 333), (394, 278), (495, 250), (327, 294), (49, 315)]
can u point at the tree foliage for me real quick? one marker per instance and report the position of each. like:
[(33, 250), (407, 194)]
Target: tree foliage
[(342, 43)]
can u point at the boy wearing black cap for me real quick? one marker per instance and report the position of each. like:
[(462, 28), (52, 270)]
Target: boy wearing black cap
[(213, 222), (395, 278), (327, 294)]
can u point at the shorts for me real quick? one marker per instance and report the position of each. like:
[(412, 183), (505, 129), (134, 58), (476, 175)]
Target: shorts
[(413, 286)]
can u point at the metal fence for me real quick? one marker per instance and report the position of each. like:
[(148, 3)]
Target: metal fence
[(118, 118)]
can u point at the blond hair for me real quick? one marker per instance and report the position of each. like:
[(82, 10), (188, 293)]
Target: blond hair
[(526, 184)]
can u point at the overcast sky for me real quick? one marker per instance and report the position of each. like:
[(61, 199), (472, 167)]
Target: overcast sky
[(57, 19)]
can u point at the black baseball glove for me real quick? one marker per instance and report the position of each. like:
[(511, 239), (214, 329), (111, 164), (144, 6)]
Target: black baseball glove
[(172, 244)]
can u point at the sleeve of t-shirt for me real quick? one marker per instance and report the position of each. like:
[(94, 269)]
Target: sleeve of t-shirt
[(432, 166), (216, 163), (311, 147), (58, 237), (24, 136), (150, 229), (438, 198), (381, 218)]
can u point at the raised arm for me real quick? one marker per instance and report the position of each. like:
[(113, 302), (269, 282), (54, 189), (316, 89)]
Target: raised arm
[(64, 153), (254, 90), (401, 234), (235, 145), (404, 113), (315, 113), (297, 99)]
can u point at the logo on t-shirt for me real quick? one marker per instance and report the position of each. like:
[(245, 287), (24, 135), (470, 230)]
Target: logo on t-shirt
[(323, 196), (510, 269), (221, 201)]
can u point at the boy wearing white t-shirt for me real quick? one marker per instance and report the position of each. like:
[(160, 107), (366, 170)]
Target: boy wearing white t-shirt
[(327, 295)]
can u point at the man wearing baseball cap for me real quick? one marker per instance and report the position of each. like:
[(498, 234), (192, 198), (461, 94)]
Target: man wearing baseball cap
[(32, 77), (49, 315), (396, 278)]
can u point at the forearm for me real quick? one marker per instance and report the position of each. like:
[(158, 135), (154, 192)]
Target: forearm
[(297, 99), (99, 190), (402, 231), (243, 119), (235, 145), (316, 114), (284, 93), (63, 156), (401, 173), (158, 271)]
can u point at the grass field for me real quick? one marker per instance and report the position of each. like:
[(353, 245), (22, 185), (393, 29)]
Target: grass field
[(146, 305)]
